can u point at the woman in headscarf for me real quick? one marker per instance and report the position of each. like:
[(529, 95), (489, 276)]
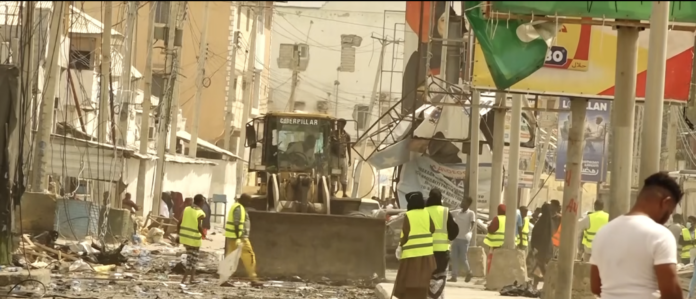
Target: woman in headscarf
[(439, 278), (541, 247), (413, 279)]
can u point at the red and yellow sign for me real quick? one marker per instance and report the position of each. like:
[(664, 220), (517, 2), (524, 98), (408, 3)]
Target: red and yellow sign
[(582, 62), (571, 50)]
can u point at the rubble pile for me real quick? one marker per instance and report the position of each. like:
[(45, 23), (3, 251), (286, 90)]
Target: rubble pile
[(148, 266)]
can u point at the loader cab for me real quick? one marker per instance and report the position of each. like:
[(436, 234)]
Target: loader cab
[(289, 143)]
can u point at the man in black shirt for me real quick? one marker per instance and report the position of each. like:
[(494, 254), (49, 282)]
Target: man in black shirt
[(340, 150)]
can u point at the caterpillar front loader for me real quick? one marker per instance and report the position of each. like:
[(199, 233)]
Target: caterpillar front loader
[(290, 154)]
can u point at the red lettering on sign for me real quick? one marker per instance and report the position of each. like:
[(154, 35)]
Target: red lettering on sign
[(568, 176), (572, 207)]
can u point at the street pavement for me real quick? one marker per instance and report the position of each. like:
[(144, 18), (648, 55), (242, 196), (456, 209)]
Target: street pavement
[(458, 289)]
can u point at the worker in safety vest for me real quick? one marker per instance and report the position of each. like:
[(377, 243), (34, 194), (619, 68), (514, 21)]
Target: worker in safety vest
[(191, 234), (415, 252), (446, 230), (237, 229), (687, 242), (496, 234), (523, 237), (590, 225)]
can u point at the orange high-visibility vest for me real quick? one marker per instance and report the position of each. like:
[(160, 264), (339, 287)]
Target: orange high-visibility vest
[(557, 237)]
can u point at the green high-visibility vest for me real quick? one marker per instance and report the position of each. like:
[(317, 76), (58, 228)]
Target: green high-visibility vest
[(188, 230), (686, 234), (439, 216), (235, 226), (420, 240), (497, 238), (598, 219)]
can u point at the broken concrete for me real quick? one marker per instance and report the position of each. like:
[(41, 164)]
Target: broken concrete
[(12, 278), (43, 212), (508, 266), (581, 281), (477, 262)]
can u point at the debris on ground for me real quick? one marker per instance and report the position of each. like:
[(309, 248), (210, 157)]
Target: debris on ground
[(152, 268), (526, 289)]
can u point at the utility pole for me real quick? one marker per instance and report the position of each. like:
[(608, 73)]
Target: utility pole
[(337, 84), (373, 102), (43, 140), (295, 72), (174, 105), (497, 155), (146, 106), (571, 198), (104, 76), (231, 90), (248, 94), (622, 118), (672, 136), (27, 69), (513, 172), (654, 92), (193, 145), (473, 157), (171, 68), (126, 90)]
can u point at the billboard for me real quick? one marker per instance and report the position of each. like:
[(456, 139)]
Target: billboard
[(582, 62), (595, 153)]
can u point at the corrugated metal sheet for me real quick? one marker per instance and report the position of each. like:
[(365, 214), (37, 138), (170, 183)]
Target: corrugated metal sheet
[(76, 219), (66, 157)]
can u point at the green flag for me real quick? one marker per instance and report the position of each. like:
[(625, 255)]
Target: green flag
[(509, 58)]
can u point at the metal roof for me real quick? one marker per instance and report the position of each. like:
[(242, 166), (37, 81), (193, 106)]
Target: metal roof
[(207, 145)]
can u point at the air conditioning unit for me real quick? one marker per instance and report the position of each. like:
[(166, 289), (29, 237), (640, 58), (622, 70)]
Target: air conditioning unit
[(323, 106)]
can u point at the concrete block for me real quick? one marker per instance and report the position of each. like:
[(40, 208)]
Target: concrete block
[(581, 281), (12, 278), (477, 262), (508, 266), (384, 290), (39, 212)]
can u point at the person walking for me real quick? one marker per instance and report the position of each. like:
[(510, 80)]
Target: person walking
[(446, 230), (237, 230), (590, 225), (687, 240), (540, 245), (523, 237), (634, 255), (190, 235), (466, 221), (416, 261)]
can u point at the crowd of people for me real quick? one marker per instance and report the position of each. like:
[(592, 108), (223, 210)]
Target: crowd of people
[(433, 238)]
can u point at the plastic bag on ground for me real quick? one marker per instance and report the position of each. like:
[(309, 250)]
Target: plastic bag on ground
[(526, 289), (229, 265)]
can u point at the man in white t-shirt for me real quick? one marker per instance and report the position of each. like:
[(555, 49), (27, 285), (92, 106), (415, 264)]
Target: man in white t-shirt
[(466, 221), (634, 256)]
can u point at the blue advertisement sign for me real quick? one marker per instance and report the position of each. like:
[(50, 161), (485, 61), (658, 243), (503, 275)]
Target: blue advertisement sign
[(595, 153)]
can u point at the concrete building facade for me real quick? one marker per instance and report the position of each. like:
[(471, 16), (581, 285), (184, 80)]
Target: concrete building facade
[(352, 61)]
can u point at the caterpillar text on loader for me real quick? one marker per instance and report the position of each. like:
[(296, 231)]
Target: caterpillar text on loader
[(291, 156)]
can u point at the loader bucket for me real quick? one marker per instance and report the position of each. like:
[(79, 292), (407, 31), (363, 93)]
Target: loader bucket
[(313, 246)]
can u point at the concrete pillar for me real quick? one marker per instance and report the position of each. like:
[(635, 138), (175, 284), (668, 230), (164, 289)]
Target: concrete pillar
[(654, 92), (497, 156), (473, 163), (513, 172), (571, 198), (622, 117)]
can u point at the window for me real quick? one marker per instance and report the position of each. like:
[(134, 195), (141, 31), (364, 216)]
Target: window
[(151, 133), (360, 115), (239, 17), (157, 84), (80, 60), (162, 12)]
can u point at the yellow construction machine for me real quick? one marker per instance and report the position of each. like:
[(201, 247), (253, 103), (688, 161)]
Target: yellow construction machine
[(290, 154)]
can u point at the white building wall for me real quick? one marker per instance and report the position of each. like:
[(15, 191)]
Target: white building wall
[(321, 28)]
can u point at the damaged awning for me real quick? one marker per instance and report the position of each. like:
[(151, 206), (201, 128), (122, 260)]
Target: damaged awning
[(72, 157), (207, 145)]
